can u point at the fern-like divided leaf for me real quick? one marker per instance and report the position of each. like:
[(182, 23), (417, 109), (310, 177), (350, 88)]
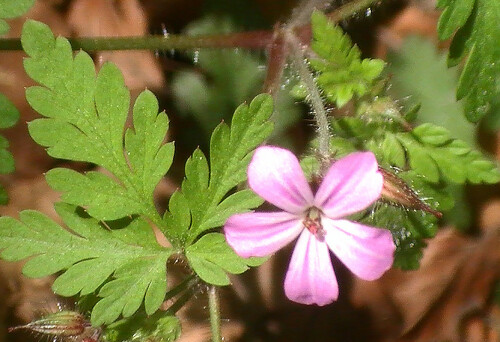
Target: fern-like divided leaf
[(12, 9), (205, 202), (434, 154), (427, 158), (85, 118), (341, 73), (89, 255), (211, 257), (477, 35), (159, 327)]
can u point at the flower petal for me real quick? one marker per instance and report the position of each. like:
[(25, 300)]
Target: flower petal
[(350, 185), (261, 234), (310, 278), (367, 251), (275, 175)]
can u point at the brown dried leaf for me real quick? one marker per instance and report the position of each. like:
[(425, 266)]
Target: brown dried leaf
[(440, 300), (124, 18)]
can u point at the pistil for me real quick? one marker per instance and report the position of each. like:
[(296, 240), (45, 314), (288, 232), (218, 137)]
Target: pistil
[(313, 223)]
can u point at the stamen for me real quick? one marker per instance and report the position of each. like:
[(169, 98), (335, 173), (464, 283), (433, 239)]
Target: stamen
[(313, 223)]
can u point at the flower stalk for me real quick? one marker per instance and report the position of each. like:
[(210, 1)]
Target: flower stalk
[(213, 304), (314, 97)]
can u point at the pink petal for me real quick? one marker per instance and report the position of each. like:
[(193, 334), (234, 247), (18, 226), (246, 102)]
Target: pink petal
[(275, 175), (310, 278), (261, 234), (367, 251), (351, 184)]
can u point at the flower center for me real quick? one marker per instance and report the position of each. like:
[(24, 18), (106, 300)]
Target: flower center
[(312, 222)]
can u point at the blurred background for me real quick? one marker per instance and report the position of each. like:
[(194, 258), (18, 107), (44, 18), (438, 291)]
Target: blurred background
[(454, 296)]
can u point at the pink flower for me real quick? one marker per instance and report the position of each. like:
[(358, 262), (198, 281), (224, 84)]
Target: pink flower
[(351, 184)]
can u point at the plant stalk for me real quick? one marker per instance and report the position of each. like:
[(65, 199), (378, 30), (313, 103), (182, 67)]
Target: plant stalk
[(213, 304), (320, 115), (249, 40), (348, 10)]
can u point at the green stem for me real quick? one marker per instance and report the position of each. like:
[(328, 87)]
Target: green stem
[(249, 40), (348, 10), (179, 303), (213, 304)]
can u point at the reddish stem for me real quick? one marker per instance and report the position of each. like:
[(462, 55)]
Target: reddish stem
[(276, 62)]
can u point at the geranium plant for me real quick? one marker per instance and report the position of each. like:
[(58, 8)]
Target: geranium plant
[(370, 185)]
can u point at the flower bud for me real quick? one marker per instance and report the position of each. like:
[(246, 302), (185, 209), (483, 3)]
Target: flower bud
[(396, 191), (64, 323)]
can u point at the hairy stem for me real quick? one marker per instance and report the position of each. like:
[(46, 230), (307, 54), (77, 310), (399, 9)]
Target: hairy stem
[(348, 10), (275, 64), (213, 304), (302, 13), (314, 97), (249, 40)]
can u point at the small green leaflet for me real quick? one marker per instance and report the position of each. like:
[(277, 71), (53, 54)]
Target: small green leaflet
[(408, 229), (85, 119), (342, 73), (211, 257), (476, 39), (434, 154), (11, 9), (159, 327), (131, 256), (8, 117), (427, 158), (428, 149), (203, 202)]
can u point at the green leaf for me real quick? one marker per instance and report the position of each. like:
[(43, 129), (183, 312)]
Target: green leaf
[(4, 197), (12, 9), (8, 117), (342, 73), (431, 134), (477, 38), (211, 257), (454, 16), (177, 218), (239, 202), (408, 228), (433, 154), (205, 188), (137, 281), (409, 251), (8, 112), (85, 120), (394, 153), (140, 328), (137, 269)]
